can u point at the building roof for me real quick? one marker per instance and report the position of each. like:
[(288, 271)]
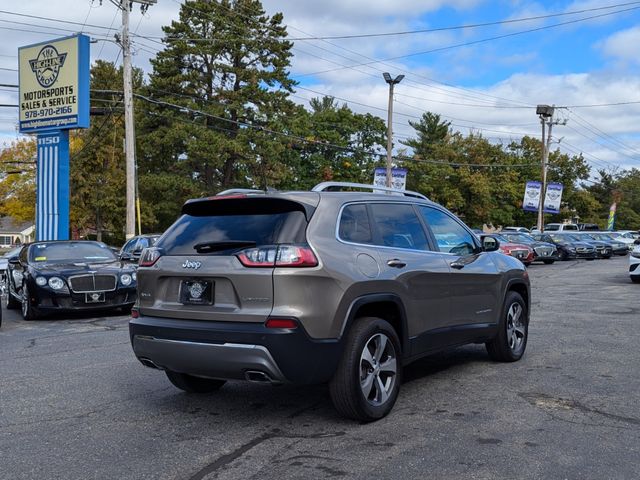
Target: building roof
[(9, 225)]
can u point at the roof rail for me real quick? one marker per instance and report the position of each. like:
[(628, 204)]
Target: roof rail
[(236, 191), (325, 186)]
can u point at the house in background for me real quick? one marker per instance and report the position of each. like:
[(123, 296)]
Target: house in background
[(14, 233)]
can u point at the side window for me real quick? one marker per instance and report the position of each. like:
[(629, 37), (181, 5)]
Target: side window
[(142, 243), (451, 237), (399, 226), (354, 225), (23, 256), (128, 248)]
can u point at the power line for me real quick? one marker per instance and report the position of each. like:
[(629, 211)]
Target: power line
[(476, 94), (461, 27), (475, 42), (261, 128), (49, 19)]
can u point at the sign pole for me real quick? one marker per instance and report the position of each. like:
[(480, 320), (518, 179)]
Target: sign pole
[(52, 186)]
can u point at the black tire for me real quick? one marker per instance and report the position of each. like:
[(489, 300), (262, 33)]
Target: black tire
[(380, 340), (635, 278), (28, 311), (548, 262), (510, 342), (191, 384)]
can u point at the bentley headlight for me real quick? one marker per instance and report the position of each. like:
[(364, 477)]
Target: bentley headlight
[(134, 275), (41, 281), (56, 283), (126, 279)]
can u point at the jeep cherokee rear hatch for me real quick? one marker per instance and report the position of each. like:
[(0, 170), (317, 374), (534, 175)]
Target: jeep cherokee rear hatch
[(216, 262)]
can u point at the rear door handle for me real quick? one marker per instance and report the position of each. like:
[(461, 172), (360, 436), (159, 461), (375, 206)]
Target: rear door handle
[(395, 263), (457, 265)]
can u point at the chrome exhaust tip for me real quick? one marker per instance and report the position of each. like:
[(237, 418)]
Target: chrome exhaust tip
[(149, 363), (256, 376)]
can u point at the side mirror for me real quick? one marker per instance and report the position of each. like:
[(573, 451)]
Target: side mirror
[(490, 244), (14, 261)]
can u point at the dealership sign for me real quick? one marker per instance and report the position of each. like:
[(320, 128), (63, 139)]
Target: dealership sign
[(552, 198), (54, 85), (398, 178), (531, 201)]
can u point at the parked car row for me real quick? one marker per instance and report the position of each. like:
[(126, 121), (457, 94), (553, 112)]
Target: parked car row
[(556, 245)]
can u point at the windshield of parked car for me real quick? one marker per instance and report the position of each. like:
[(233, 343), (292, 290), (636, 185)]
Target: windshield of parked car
[(560, 238), (518, 238), (70, 252), (13, 252)]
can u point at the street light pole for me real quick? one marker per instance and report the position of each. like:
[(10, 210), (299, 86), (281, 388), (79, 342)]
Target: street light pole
[(391, 82)]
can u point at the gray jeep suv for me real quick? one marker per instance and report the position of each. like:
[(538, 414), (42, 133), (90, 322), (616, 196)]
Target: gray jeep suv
[(343, 287)]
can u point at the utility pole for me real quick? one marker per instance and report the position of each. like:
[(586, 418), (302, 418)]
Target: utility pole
[(545, 112), (391, 82), (129, 126)]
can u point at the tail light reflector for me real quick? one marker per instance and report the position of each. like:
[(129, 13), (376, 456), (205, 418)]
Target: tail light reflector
[(281, 323)]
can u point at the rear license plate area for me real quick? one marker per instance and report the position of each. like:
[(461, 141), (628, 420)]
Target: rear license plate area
[(196, 292)]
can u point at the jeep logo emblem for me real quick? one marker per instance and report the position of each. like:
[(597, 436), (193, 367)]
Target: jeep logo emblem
[(190, 264)]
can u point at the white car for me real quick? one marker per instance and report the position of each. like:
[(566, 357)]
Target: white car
[(634, 264)]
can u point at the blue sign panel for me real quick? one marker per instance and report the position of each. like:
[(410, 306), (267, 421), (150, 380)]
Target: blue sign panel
[(52, 181), (54, 85)]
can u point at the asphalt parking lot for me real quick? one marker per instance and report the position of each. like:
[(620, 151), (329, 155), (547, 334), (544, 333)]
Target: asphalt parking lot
[(76, 404)]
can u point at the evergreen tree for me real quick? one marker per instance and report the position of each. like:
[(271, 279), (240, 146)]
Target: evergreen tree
[(226, 61)]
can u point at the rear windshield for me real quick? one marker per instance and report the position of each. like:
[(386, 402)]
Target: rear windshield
[(261, 229)]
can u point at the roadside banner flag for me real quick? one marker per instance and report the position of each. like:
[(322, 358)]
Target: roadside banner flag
[(552, 198), (531, 201), (612, 216)]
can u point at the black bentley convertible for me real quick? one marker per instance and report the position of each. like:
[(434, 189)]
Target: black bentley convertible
[(49, 277)]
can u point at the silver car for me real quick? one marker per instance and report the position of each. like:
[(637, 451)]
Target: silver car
[(337, 287)]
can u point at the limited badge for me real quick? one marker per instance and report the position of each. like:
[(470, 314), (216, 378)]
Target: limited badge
[(47, 66)]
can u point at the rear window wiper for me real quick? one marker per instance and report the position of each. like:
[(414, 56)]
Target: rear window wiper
[(206, 247)]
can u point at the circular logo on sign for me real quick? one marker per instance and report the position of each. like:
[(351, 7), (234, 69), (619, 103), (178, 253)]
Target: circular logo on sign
[(196, 290), (47, 65)]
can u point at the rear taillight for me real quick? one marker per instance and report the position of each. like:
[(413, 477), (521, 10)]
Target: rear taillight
[(278, 256), (149, 257), (135, 313)]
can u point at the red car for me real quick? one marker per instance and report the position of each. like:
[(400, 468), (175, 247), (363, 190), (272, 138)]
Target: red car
[(524, 253)]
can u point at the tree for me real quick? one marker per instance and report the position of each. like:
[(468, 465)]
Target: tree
[(339, 144), (225, 62), (17, 180)]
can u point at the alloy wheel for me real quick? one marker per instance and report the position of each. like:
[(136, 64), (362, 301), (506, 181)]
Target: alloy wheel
[(378, 369), (516, 330)]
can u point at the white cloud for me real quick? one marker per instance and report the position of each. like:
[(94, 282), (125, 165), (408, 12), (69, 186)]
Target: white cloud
[(623, 45)]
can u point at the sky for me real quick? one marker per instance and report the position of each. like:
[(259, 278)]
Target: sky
[(487, 77)]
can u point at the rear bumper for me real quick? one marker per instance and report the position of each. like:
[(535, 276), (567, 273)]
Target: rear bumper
[(228, 350)]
